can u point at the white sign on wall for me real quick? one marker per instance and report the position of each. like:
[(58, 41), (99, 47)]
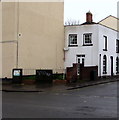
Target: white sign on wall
[(16, 72)]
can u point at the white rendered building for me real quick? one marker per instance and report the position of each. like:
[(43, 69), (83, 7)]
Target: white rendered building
[(94, 45)]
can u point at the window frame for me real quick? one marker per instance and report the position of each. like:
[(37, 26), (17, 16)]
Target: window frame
[(104, 64), (84, 39), (117, 65), (105, 38), (117, 45), (69, 40)]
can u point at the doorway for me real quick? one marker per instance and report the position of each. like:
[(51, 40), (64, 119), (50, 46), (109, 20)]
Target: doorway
[(80, 60)]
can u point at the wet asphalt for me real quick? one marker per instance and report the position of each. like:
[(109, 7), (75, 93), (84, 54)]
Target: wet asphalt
[(99, 101)]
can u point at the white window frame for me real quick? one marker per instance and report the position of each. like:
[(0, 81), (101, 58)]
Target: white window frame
[(87, 39), (105, 43), (72, 39)]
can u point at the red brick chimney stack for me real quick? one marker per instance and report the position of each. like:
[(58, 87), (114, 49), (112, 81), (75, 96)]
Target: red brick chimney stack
[(89, 18)]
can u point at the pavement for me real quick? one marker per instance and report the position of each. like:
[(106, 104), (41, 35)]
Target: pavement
[(52, 87)]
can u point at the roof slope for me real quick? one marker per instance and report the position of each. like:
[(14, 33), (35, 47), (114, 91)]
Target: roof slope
[(111, 22)]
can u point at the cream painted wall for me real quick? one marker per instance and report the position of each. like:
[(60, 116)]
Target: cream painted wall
[(111, 22), (9, 19), (9, 38), (42, 35), (41, 39), (8, 59)]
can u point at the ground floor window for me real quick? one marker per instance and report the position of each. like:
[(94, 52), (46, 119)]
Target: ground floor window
[(104, 64), (117, 65)]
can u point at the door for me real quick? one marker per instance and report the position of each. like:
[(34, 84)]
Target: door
[(111, 66), (80, 60)]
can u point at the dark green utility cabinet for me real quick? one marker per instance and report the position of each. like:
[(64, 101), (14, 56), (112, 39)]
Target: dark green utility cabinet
[(44, 76), (93, 75)]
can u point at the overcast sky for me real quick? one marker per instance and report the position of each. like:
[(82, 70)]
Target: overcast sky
[(76, 9)]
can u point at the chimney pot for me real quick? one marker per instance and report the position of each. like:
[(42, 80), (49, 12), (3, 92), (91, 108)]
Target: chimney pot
[(89, 17)]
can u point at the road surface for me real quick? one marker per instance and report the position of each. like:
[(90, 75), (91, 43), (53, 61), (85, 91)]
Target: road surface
[(99, 101)]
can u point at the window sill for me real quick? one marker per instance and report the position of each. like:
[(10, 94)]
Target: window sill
[(72, 45), (104, 49), (88, 45)]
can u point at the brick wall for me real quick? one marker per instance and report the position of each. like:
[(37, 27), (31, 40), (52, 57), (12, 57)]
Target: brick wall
[(88, 73), (71, 73)]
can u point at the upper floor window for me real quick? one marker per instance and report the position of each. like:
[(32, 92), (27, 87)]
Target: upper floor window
[(73, 40), (87, 39), (117, 46), (105, 43)]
